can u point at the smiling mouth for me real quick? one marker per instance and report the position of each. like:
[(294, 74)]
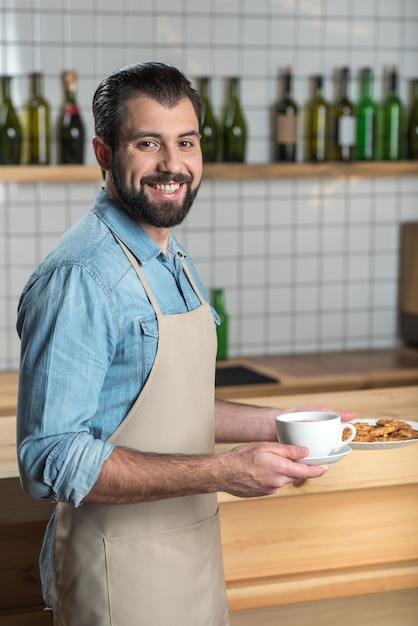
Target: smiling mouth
[(167, 188)]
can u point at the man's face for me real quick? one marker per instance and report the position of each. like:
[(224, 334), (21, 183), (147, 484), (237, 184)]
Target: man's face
[(157, 167)]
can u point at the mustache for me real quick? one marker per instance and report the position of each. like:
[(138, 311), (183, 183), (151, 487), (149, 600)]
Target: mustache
[(165, 177)]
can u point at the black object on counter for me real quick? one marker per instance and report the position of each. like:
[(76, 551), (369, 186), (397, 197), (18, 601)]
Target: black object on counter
[(233, 375)]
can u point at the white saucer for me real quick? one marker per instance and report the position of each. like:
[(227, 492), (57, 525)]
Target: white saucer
[(327, 460)]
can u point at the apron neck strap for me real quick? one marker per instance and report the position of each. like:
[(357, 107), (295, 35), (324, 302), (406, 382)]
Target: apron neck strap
[(143, 280), (140, 275)]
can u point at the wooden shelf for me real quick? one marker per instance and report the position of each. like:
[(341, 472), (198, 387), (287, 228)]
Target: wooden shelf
[(259, 171), (49, 173), (220, 171)]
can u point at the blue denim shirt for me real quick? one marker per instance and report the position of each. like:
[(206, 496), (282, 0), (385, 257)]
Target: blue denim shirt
[(88, 342)]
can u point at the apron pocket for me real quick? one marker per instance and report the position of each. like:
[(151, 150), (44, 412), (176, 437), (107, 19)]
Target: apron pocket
[(167, 578)]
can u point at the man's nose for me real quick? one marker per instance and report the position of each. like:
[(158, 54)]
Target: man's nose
[(170, 160)]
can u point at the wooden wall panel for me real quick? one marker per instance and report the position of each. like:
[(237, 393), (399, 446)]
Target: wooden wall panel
[(20, 585), (281, 536)]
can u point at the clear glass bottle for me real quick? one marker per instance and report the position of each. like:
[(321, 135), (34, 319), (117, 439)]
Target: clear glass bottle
[(10, 127), (366, 119), (218, 303), (413, 125), (286, 122), (71, 127), (392, 120), (318, 120), (209, 132), (344, 118), (38, 123), (234, 130)]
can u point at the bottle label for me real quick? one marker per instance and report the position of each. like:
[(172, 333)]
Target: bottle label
[(346, 135), (286, 129), (70, 109)]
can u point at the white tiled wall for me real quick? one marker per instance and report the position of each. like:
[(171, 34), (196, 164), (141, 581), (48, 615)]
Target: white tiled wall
[(306, 264)]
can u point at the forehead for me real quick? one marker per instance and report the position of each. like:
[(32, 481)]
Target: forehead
[(145, 115)]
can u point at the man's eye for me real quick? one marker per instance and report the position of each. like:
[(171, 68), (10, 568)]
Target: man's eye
[(147, 144)]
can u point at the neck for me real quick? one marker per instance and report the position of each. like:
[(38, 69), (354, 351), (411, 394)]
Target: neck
[(159, 235)]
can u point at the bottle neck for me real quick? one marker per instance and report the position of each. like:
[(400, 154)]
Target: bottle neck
[(287, 83), (319, 86), (234, 89), (71, 96), (393, 82), (218, 299), (36, 85), (6, 91), (204, 88), (344, 83), (366, 84)]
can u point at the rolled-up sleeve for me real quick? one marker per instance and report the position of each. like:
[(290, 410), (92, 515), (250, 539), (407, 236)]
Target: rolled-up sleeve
[(68, 332)]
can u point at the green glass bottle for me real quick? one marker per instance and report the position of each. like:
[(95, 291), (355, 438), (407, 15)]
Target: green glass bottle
[(413, 125), (234, 131), (392, 120), (344, 122), (209, 133), (218, 303), (318, 120), (286, 122), (39, 123), (10, 127), (71, 127), (366, 119)]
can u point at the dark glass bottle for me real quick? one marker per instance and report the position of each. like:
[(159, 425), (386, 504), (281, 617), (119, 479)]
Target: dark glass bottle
[(366, 119), (209, 133), (234, 131), (10, 127), (71, 127), (318, 114), (413, 125), (344, 122), (392, 120), (286, 122), (39, 123), (218, 303)]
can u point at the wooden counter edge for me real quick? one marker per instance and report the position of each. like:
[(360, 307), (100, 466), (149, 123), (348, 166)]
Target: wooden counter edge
[(252, 594)]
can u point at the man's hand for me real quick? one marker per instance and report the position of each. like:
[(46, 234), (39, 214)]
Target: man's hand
[(259, 469)]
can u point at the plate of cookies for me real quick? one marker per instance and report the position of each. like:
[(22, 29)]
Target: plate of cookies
[(384, 433)]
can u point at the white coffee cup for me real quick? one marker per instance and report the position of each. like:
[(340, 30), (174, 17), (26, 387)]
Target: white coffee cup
[(319, 431)]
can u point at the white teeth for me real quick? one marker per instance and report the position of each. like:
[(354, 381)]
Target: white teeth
[(167, 188)]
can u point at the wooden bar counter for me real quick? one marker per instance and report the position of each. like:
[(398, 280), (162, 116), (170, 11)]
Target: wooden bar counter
[(328, 542), (341, 547)]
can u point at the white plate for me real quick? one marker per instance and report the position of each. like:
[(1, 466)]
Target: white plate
[(327, 460), (381, 445)]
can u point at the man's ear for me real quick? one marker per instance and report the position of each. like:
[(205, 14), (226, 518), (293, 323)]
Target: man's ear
[(102, 152)]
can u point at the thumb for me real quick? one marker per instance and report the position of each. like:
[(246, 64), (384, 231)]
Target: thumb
[(294, 452)]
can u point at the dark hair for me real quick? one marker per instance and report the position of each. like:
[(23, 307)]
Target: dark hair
[(163, 83)]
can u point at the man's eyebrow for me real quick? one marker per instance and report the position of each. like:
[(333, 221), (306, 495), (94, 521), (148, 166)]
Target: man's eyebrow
[(155, 135)]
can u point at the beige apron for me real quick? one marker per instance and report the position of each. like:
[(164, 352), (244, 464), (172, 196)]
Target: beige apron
[(154, 563)]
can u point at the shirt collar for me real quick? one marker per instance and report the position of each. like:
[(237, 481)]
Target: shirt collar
[(132, 235)]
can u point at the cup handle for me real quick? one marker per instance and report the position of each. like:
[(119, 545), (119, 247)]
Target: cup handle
[(343, 427)]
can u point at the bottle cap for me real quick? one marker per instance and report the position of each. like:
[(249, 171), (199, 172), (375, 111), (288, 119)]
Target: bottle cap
[(69, 78)]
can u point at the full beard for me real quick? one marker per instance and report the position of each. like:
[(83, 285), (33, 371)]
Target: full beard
[(164, 215)]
